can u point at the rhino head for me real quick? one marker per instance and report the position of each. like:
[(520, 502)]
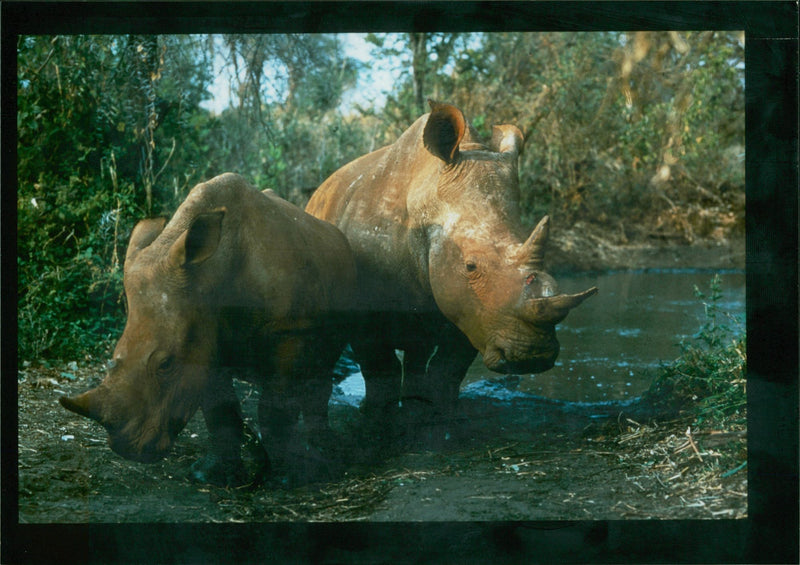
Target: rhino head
[(155, 380), (485, 278)]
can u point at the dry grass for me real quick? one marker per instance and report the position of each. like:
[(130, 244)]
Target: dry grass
[(703, 469), (351, 499)]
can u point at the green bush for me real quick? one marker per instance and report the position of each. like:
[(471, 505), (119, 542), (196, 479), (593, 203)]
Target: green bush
[(709, 377), (97, 131)]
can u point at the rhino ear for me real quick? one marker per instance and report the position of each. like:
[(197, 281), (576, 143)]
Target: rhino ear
[(145, 232), (443, 132), (200, 241), (507, 139)]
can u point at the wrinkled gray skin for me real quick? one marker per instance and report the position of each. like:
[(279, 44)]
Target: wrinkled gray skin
[(239, 282)]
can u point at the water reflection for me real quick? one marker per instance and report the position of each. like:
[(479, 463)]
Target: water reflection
[(612, 345)]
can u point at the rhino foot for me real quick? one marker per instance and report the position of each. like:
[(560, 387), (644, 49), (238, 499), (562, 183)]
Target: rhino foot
[(418, 422), (305, 464), (214, 470)]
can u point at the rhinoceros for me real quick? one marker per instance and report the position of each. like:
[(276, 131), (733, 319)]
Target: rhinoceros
[(239, 282), (444, 269)]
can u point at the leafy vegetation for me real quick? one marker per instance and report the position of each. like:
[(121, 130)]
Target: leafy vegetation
[(640, 134), (710, 374)]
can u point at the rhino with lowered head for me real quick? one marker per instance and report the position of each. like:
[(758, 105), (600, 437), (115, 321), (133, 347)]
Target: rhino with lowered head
[(444, 268), (238, 282)]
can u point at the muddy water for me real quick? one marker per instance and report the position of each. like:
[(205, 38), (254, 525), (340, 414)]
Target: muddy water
[(613, 344)]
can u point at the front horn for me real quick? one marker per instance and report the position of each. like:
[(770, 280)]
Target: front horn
[(553, 309), (84, 404)]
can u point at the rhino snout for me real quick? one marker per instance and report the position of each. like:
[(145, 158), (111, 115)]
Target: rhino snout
[(149, 452), (141, 442), (539, 365), (506, 362)]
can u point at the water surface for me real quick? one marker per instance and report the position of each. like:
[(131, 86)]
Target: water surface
[(613, 344)]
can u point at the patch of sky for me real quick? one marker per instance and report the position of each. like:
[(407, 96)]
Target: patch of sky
[(375, 79)]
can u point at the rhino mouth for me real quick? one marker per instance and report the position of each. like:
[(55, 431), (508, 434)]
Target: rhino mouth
[(523, 367), (145, 455), (151, 450), (147, 445), (500, 361)]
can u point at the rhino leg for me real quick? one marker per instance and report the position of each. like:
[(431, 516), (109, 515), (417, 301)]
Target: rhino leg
[(278, 412), (321, 456), (222, 413), (433, 375), (381, 370), (374, 350), (294, 449), (446, 369), (436, 365)]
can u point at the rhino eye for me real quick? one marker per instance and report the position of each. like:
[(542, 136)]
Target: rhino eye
[(166, 365), (471, 266)]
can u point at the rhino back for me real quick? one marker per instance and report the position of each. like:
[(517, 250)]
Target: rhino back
[(368, 200), (273, 257)]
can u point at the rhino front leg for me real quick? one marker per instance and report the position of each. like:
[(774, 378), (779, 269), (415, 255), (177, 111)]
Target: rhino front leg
[(278, 413), (437, 364), (222, 413), (446, 369), (314, 398), (380, 368), (321, 456), (433, 376)]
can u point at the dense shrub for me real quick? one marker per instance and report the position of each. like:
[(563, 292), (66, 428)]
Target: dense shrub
[(709, 377), (98, 125)]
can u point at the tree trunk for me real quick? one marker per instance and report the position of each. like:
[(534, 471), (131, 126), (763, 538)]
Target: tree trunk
[(419, 64)]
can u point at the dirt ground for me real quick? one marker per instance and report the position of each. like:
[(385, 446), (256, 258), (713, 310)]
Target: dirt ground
[(521, 459)]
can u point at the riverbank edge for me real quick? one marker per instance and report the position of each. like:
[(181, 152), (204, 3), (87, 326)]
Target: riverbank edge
[(580, 249)]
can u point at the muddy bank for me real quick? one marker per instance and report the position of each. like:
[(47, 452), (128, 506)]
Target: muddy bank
[(585, 247), (514, 458)]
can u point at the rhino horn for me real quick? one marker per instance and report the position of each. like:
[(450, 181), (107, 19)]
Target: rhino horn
[(553, 309), (507, 139), (532, 250), (86, 404)]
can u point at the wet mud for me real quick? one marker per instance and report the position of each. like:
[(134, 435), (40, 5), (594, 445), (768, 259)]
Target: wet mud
[(506, 456)]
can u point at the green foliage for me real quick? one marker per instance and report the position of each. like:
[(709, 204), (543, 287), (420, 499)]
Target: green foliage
[(643, 131), (97, 134), (111, 129), (710, 374)]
